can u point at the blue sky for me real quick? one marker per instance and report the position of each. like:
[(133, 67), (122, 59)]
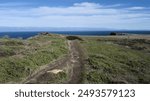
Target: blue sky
[(115, 14)]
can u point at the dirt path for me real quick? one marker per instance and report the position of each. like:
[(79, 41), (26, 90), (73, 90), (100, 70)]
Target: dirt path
[(76, 61), (73, 62)]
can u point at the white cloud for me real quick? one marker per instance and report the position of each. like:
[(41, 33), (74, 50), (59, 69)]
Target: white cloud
[(87, 4), (78, 15), (71, 11), (136, 8), (115, 5)]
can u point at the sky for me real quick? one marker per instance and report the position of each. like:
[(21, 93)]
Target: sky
[(111, 14)]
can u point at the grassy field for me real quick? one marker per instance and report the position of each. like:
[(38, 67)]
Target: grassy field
[(113, 60), (104, 59), (19, 58)]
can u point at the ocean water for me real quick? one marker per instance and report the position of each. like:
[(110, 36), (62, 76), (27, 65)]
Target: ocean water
[(25, 35)]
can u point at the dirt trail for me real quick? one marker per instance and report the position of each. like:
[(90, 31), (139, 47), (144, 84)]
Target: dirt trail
[(76, 61), (73, 61)]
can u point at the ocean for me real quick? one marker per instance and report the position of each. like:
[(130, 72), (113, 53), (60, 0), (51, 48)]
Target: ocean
[(25, 35)]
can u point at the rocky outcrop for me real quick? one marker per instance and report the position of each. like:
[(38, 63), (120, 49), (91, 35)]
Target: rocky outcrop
[(118, 33), (44, 33)]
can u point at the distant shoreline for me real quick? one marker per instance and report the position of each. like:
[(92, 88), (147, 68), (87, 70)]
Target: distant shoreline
[(26, 35)]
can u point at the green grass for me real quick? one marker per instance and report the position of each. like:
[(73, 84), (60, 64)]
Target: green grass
[(19, 58), (110, 62), (9, 47)]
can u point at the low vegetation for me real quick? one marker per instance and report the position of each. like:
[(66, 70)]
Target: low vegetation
[(74, 38), (20, 58), (102, 59), (117, 60)]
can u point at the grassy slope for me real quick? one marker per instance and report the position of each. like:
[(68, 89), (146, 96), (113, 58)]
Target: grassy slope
[(117, 61), (19, 58), (109, 60)]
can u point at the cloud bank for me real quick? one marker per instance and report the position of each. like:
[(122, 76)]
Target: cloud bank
[(85, 14)]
